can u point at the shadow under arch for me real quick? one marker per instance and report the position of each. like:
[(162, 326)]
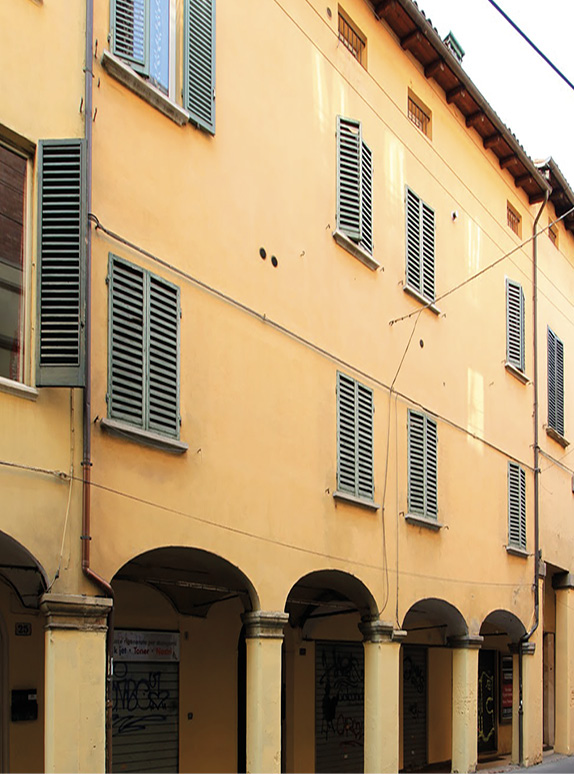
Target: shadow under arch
[(22, 571), (324, 593), (503, 622), (434, 613), (191, 579)]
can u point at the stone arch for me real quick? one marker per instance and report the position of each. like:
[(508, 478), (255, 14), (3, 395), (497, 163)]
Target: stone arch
[(22, 571), (436, 613), (504, 621)]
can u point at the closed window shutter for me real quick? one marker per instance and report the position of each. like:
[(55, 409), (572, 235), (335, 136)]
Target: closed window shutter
[(163, 357), (349, 177), (366, 240), (61, 272), (365, 442), (428, 252), (516, 505), (514, 324), (130, 22), (354, 438), (416, 452), (127, 344), (346, 434), (199, 62), (414, 269), (555, 383), (422, 465)]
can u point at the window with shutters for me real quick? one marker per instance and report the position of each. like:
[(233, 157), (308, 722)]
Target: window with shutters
[(555, 426), (144, 35), (143, 369), (420, 242), (514, 325), (354, 439), (354, 192), (516, 506), (422, 465), (13, 172)]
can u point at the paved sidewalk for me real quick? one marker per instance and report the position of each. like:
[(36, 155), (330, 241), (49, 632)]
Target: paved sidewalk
[(550, 757)]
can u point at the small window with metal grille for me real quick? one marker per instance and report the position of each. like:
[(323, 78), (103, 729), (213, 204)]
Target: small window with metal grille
[(513, 219), (419, 114), (553, 232), (352, 38)]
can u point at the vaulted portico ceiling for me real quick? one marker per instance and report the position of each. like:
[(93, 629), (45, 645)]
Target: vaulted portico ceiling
[(416, 35)]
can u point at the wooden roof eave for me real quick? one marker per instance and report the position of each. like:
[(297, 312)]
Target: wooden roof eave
[(417, 36), (562, 195)]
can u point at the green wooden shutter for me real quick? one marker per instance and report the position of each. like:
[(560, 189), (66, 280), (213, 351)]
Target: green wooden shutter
[(61, 264), (199, 62), (130, 31), (555, 383), (514, 324), (364, 456), (516, 505), (366, 198), (422, 465), (127, 342), (349, 177), (163, 381), (427, 251), (413, 239), (346, 434)]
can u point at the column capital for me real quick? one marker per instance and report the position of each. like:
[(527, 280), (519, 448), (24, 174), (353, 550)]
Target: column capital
[(264, 624), (380, 631), (468, 641), (75, 611)]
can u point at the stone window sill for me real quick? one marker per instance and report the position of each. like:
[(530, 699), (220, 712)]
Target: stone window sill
[(124, 74), (552, 433), (145, 437), (17, 388), (517, 373), (356, 250), (517, 551), (419, 297), (346, 497), (423, 521)]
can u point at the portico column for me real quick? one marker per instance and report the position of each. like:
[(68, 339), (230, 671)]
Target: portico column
[(263, 640), (564, 674), (465, 702), (382, 647), (75, 682)]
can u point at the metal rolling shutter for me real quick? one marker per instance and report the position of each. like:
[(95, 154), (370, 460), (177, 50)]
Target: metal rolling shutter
[(339, 706), (145, 716), (414, 707)]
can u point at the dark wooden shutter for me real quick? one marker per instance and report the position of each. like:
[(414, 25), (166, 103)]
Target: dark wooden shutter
[(199, 62), (514, 324), (366, 198), (516, 505), (61, 269), (349, 177), (127, 343), (163, 381), (413, 237), (130, 22), (555, 383)]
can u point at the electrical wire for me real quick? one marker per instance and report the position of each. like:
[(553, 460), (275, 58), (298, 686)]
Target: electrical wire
[(530, 43), (253, 535)]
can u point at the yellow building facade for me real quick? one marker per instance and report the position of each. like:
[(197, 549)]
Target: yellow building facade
[(285, 353)]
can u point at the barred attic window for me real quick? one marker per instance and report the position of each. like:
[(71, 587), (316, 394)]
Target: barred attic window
[(420, 115), (513, 219), (352, 39), (553, 232)]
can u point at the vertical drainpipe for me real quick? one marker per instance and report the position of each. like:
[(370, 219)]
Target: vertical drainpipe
[(87, 396), (529, 634)]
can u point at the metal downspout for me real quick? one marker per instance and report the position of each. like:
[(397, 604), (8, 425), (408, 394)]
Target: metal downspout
[(87, 395), (529, 634)]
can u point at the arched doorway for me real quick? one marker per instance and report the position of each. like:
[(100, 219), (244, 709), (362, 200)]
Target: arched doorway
[(323, 728), (432, 625), (177, 623)]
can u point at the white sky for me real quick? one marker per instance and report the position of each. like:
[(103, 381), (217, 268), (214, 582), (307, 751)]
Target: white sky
[(526, 93)]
